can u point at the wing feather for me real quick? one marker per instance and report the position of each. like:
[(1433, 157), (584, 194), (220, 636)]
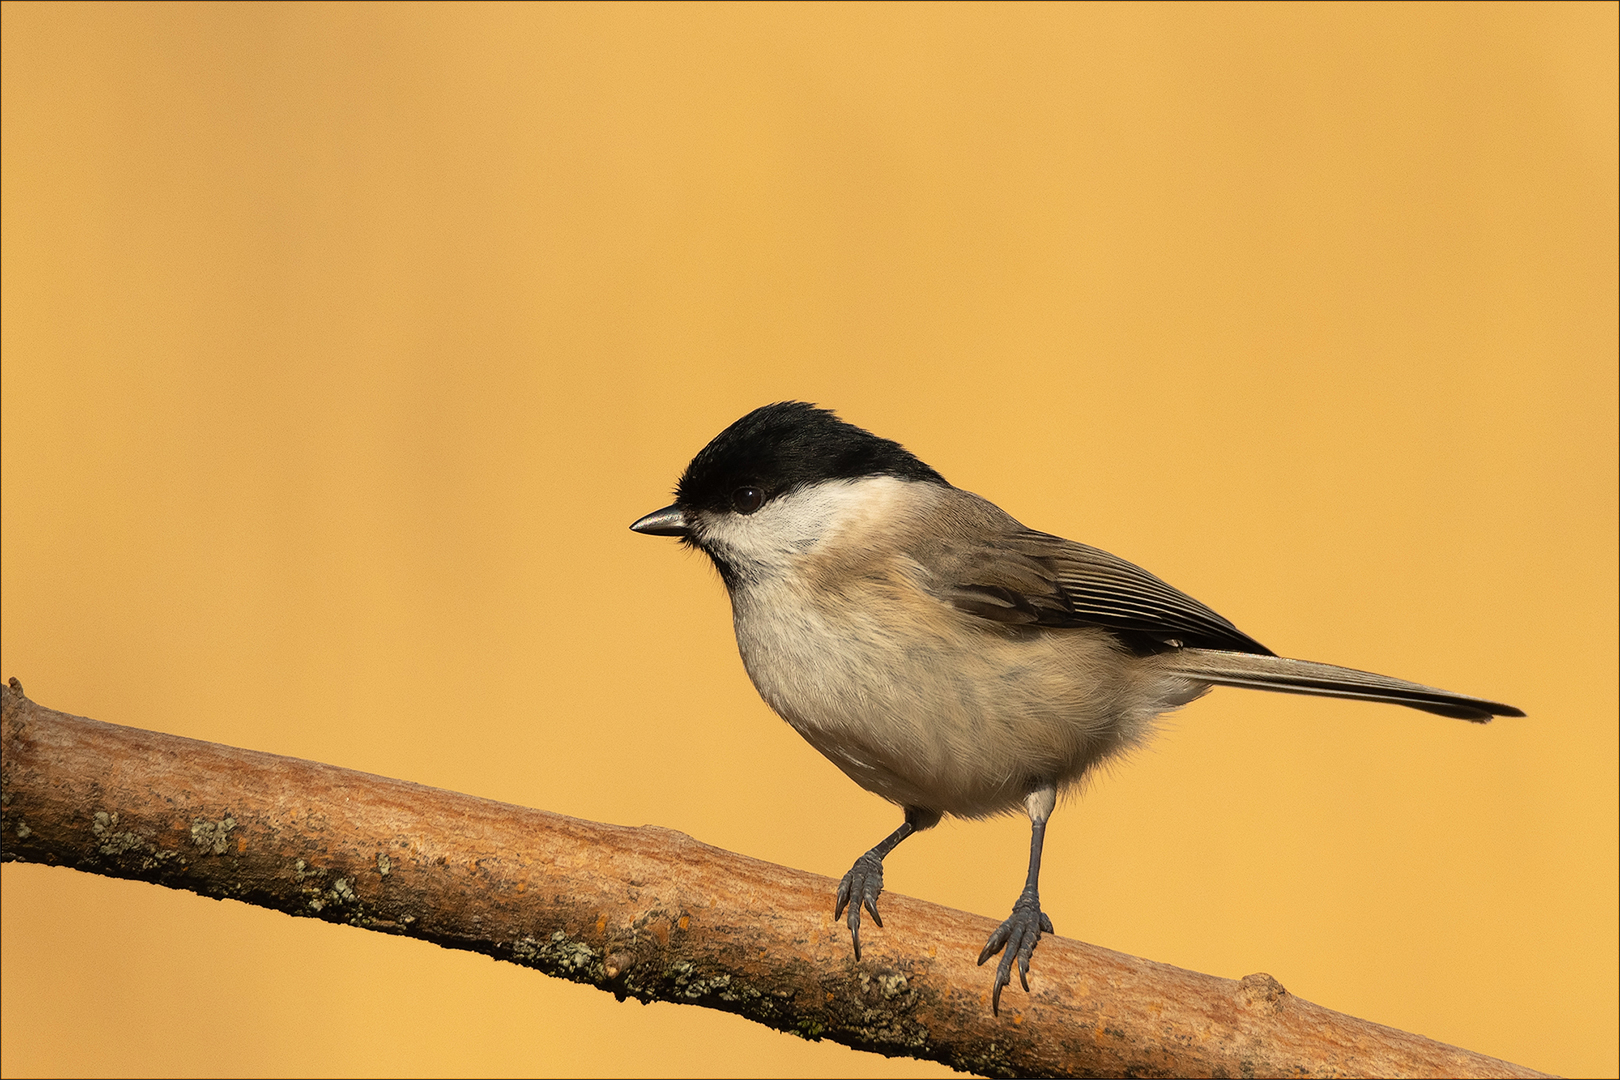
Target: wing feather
[(1024, 577)]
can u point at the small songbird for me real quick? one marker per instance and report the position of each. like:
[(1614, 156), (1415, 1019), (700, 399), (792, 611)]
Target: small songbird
[(944, 656)]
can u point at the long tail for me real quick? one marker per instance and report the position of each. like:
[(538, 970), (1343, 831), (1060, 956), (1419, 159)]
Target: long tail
[(1259, 672)]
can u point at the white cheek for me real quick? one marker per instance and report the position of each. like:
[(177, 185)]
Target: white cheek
[(792, 525)]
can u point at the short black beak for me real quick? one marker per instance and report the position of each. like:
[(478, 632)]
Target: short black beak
[(670, 521)]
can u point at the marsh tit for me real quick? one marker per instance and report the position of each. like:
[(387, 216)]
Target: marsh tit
[(943, 655)]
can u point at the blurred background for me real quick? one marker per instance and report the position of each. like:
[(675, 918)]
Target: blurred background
[(342, 343)]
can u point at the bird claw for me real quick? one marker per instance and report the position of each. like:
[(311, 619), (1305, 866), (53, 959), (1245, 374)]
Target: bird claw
[(860, 888), (1018, 936)]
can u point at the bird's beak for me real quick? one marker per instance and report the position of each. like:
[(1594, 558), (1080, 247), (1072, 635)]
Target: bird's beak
[(670, 521)]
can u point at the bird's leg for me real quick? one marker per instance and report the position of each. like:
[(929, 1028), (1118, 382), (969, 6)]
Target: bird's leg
[(1022, 931), (864, 881)]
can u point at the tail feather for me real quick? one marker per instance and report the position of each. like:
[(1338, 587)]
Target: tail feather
[(1280, 674)]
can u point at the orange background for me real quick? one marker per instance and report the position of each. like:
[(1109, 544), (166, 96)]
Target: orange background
[(342, 343)]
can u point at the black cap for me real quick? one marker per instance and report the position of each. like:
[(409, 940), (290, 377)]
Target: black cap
[(786, 446)]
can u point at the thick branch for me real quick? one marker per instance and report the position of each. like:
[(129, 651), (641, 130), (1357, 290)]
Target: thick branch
[(646, 913)]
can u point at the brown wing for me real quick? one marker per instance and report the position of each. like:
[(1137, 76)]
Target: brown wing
[(1024, 577)]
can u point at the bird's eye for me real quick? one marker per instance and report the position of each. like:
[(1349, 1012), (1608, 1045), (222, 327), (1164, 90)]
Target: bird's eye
[(745, 500)]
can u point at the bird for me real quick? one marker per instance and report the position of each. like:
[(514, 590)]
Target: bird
[(946, 657)]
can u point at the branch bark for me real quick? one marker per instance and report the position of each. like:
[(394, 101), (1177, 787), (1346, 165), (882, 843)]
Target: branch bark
[(647, 913)]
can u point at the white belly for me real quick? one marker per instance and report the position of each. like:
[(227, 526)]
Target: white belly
[(959, 716)]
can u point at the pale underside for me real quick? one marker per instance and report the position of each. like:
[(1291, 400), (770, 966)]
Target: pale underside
[(858, 646)]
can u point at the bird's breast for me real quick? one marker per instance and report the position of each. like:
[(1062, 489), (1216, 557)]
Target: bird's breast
[(924, 705)]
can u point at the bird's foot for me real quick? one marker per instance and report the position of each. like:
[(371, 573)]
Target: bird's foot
[(1018, 935), (859, 889)]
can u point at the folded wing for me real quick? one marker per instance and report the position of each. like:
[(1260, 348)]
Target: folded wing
[(1033, 578)]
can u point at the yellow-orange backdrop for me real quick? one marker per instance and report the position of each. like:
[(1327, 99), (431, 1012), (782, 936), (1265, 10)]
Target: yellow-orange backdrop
[(341, 343)]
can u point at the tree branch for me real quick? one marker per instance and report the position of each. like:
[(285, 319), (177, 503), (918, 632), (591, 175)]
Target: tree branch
[(646, 913)]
